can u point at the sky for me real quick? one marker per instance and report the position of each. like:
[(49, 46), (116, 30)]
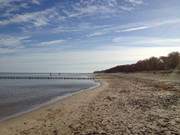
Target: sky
[(85, 35)]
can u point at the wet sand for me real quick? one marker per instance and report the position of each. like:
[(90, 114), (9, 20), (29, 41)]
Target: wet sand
[(124, 104)]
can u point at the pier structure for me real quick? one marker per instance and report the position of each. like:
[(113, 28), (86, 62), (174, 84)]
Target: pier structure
[(72, 76)]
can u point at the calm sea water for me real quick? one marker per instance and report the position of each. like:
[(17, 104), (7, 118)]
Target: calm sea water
[(18, 96)]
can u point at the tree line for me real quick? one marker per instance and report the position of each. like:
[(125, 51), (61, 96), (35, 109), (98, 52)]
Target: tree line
[(172, 61)]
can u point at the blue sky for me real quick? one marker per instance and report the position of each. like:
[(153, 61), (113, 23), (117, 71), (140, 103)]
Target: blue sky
[(85, 35)]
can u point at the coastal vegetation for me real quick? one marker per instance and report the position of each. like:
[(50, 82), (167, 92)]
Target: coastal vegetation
[(170, 62)]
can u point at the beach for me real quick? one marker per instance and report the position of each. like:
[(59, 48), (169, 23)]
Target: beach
[(140, 103), (18, 96)]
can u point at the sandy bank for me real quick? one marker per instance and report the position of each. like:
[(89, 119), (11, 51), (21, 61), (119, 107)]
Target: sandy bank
[(124, 104)]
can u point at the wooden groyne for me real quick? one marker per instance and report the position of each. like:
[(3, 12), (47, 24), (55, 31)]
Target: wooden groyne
[(47, 77)]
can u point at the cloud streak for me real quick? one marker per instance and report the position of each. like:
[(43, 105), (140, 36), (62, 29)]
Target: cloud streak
[(37, 19), (10, 7), (51, 43), (94, 7), (96, 34), (78, 9), (133, 27), (149, 25), (12, 44), (146, 41), (12, 41)]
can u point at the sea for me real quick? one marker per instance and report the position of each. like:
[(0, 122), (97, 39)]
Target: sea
[(18, 96)]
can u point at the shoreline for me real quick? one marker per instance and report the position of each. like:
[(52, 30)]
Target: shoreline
[(14, 125), (123, 104), (49, 103)]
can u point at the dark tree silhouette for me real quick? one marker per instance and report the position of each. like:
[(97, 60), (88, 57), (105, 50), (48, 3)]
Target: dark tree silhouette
[(172, 61)]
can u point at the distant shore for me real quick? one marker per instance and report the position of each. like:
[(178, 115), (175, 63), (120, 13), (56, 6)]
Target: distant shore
[(140, 103)]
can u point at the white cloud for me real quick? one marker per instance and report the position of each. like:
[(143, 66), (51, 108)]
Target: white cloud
[(36, 2), (61, 29), (88, 11), (12, 44), (161, 41), (8, 7), (94, 7), (81, 27), (12, 41), (38, 19), (135, 2), (50, 43), (79, 9), (148, 25), (96, 34), (146, 41), (134, 29), (137, 26)]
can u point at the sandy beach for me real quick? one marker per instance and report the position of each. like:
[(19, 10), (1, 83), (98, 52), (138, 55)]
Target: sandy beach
[(143, 103)]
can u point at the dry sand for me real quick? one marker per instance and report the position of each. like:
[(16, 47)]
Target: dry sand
[(124, 104)]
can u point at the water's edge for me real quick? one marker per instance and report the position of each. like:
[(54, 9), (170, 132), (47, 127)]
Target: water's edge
[(50, 102)]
